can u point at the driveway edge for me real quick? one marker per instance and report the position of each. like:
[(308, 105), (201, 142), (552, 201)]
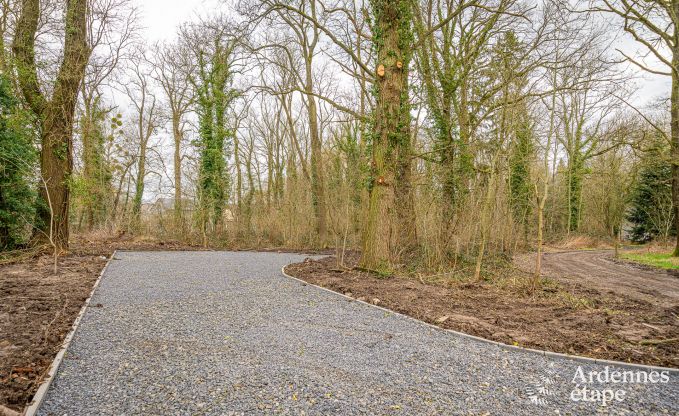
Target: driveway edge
[(39, 396)]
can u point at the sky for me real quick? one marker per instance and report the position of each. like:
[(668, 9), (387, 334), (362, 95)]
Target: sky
[(161, 18)]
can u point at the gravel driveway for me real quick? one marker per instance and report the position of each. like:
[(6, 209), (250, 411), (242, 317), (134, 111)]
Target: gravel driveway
[(218, 333)]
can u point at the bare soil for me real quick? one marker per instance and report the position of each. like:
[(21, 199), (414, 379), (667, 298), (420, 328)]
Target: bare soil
[(588, 305), (37, 309), (600, 270)]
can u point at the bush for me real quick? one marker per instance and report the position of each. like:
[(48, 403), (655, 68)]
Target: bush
[(651, 211), (17, 168)]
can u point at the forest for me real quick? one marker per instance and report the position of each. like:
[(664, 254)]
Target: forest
[(424, 134), (504, 170)]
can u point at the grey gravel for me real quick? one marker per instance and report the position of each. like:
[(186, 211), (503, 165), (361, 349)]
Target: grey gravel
[(220, 333)]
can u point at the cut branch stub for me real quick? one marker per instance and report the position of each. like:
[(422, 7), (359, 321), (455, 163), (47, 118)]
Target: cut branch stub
[(380, 70)]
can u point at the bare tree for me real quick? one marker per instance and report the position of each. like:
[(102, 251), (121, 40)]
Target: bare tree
[(112, 30), (655, 26), (139, 90), (171, 72), (303, 43)]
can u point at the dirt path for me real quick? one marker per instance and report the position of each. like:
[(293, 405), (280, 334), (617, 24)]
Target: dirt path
[(598, 269)]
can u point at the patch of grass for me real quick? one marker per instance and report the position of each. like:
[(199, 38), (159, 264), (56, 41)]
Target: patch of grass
[(383, 271), (660, 260), (574, 301)]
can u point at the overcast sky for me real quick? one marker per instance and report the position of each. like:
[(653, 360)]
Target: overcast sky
[(160, 19)]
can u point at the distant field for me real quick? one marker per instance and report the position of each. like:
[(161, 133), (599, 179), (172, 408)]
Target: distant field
[(661, 260)]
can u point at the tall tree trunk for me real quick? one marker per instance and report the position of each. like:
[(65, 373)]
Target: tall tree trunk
[(139, 185), (250, 193), (88, 155), (178, 206), (404, 194), (55, 115), (127, 196), (97, 185), (542, 196), (390, 135), (317, 183), (114, 211), (674, 131), (239, 181), (539, 239), (287, 107)]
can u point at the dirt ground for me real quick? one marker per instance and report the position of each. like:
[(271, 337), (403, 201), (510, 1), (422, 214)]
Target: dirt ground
[(588, 305), (599, 269), (37, 309)]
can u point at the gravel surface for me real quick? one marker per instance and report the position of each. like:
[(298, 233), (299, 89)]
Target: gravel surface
[(217, 333)]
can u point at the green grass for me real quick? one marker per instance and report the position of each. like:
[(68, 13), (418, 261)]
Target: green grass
[(660, 260)]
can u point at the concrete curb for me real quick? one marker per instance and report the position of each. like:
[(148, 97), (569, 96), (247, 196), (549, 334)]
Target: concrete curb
[(40, 395), (508, 347)]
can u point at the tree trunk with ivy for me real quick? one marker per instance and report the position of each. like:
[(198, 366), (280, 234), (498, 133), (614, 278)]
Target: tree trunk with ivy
[(674, 130), (575, 174), (317, 181), (214, 96), (55, 115), (96, 175), (389, 225), (139, 180)]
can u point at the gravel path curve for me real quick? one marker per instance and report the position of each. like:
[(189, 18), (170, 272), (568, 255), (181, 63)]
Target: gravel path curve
[(219, 333)]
